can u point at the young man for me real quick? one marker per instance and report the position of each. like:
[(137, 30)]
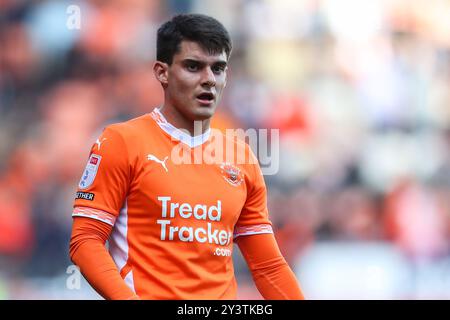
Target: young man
[(171, 224)]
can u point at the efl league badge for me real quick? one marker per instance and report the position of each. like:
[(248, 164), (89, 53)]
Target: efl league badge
[(232, 174), (90, 171)]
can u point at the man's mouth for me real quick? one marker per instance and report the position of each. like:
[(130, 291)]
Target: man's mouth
[(206, 98)]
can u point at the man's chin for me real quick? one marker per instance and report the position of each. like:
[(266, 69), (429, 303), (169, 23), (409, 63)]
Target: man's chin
[(203, 112)]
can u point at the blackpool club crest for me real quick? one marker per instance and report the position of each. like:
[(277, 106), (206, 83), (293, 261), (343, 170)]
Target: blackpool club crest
[(90, 171), (231, 174)]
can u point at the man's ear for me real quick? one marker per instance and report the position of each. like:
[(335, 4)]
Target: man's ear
[(161, 71)]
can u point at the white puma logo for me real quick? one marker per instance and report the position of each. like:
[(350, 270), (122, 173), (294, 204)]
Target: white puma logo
[(99, 143), (163, 162)]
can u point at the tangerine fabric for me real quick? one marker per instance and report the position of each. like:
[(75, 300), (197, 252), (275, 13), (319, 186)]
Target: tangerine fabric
[(272, 275), (88, 252), (174, 219)]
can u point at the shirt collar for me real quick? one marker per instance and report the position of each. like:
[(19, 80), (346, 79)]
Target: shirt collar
[(177, 134)]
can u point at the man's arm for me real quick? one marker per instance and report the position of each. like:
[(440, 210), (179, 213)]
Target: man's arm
[(272, 275), (88, 251)]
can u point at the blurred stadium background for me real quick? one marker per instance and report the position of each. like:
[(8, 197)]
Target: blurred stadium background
[(360, 91)]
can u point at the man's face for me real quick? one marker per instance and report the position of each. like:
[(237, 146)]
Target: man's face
[(195, 81)]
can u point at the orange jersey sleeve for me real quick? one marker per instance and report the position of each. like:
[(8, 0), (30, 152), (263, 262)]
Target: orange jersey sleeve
[(105, 180), (88, 252), (272, 275), (254, 217)]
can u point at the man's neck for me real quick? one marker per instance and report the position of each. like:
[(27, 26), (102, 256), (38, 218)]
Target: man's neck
[(194, 128)]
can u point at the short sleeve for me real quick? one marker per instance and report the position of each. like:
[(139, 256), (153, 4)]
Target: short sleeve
[(105, 180), (254, 217)]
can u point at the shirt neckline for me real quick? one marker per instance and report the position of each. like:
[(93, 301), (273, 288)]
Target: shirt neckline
[(177, 134)]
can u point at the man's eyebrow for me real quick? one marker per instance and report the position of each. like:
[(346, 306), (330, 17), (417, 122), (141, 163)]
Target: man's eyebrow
[(202, 62), (221, 63), (190, 60)]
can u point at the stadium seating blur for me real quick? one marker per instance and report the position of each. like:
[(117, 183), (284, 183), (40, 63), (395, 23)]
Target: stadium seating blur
[(360, 92)]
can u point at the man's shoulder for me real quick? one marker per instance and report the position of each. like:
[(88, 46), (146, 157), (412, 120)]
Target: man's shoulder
[(234, 140), (232, 137), (132, 126)]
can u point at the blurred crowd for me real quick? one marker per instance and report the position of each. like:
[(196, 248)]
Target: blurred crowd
[(360, 91)]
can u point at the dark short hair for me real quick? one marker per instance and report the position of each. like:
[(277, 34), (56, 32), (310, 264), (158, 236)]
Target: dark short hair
[(209, 33)]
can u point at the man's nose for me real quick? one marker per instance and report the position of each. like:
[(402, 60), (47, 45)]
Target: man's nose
[(209, 79)]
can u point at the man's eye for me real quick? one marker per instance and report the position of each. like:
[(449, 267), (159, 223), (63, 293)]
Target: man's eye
[(218, 69), (192, 67)]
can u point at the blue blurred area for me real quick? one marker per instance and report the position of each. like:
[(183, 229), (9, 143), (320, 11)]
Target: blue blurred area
[(359, 91)]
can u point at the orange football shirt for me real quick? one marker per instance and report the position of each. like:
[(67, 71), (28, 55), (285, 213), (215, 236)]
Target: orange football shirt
[(174, 218)]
